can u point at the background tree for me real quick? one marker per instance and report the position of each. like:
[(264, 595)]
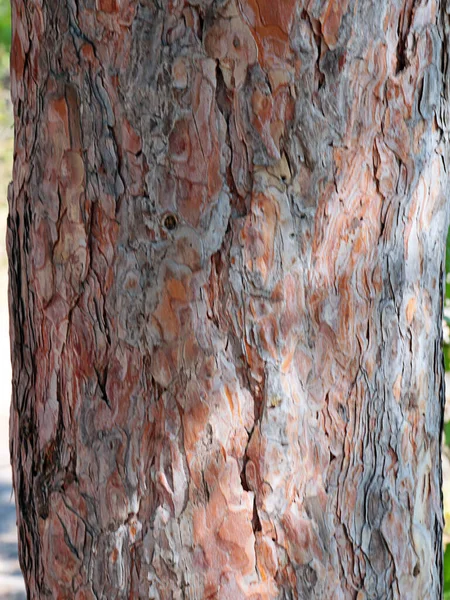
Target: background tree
[(226, 241)]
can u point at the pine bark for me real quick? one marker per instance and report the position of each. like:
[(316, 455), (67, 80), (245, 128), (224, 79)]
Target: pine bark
[(226, 242)]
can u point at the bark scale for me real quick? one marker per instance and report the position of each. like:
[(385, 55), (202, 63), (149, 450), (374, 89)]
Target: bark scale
[(226, 242)]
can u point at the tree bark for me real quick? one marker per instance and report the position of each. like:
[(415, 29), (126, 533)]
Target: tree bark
[(226, 241)]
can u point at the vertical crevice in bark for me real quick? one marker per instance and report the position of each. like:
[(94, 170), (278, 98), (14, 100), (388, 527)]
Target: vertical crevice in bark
[(403, 28)]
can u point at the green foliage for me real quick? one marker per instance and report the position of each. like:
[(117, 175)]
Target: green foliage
[(447, 433), (5, 25), (446, 350), (447, 573)]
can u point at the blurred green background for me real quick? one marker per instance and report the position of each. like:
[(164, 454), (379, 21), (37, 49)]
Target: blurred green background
[(6, 129), (6, 152), (5, 24)]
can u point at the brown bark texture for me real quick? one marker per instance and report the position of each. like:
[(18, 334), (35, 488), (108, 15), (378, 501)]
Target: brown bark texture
[(226, 241)]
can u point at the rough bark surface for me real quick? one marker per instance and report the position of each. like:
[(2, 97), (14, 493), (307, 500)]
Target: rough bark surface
[(226, 238)]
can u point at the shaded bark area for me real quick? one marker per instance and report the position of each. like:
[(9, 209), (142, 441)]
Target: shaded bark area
[(226, 243)]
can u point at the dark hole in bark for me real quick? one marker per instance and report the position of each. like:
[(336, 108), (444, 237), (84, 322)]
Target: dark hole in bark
[(342, 410), (416, 570), (170, 222), (256, 523)]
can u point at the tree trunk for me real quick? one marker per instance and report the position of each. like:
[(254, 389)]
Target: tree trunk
[(226, 243)]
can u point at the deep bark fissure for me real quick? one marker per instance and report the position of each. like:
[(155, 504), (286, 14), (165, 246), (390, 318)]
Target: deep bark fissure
[(404, 25)]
